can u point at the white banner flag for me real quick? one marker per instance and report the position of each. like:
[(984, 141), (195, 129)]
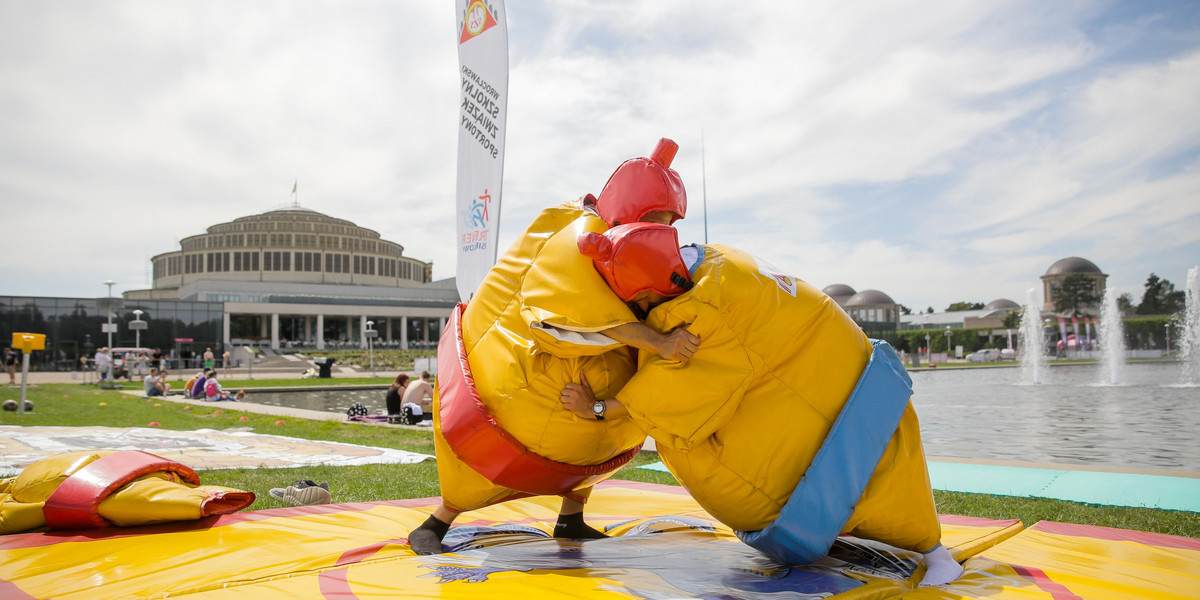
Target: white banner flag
[(483, 73)]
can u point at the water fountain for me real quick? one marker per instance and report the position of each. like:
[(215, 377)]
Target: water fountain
[(1112, 339), (1189, 330), (1032, 342)]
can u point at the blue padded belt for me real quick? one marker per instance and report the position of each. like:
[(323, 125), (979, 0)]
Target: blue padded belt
[(831, 487)]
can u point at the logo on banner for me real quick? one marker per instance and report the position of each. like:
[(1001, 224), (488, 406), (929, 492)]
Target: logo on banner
[(786, 282), (476, 223), (479, 19)]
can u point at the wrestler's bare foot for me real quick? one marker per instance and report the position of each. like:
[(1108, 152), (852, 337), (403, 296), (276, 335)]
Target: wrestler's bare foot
[(940, 567)]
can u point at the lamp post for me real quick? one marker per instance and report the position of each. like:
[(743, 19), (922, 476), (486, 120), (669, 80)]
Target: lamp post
[(137, 325), (371, 334), (948, 334), (928, 349), (109, 327)]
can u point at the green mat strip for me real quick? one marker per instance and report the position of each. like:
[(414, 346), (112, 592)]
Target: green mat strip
[(1090, 487)]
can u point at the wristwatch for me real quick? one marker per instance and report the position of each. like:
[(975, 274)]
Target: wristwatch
[(598, 409)]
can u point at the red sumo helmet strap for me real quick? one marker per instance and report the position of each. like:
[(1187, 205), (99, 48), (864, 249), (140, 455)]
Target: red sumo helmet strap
[(637, 257), (644, 185)]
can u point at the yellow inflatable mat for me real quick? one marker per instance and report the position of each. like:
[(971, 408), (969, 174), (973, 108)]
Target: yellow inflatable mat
[(662, 546)]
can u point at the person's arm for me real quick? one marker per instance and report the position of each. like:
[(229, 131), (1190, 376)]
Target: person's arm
[(578, 398), (680, 344)]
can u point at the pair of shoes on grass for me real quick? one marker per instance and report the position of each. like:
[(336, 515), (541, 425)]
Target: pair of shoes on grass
[(305, 492)]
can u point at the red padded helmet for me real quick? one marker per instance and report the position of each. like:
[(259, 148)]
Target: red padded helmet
[(643, 185), (636, 257)]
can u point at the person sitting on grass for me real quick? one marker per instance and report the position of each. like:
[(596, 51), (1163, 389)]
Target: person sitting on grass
[(199, 386), (212, 389), (155, 384)]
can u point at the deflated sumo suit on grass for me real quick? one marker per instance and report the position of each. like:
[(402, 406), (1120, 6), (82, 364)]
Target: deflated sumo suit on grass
[(84, 489)]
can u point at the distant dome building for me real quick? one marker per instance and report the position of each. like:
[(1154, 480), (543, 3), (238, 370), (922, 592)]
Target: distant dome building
[(875, 312), (1064, 268), (296, 278), (1001, 304), (840, 293), (294, 245)]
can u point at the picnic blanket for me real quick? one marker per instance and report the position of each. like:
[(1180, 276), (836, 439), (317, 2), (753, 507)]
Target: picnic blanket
[(198, 449)]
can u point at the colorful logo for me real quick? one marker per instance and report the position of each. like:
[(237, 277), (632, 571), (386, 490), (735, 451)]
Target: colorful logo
[(476, 219), (786, 282), (478, 20)]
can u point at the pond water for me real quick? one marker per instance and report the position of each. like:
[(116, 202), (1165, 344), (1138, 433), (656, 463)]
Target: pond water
[(1147, 421), (324, 400)]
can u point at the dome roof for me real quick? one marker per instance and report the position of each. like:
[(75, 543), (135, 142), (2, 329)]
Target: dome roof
[(1072, 264), (838, 290), (869, 298), (1001, 303)]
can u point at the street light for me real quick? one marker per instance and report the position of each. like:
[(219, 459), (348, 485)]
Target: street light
[(948, 343), (109, 327), (137, 325), (371, 334), (928, 348)]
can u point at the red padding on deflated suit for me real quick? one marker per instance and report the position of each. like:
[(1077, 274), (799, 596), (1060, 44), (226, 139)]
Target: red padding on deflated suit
[(479, 441), (75, 504)]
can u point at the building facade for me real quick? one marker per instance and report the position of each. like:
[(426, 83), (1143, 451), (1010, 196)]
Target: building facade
[(296, 278)]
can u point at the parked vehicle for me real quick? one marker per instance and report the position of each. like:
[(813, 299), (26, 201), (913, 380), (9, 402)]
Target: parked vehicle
[(984, 355)]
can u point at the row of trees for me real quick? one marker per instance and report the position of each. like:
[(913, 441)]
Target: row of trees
[(1078, 291)]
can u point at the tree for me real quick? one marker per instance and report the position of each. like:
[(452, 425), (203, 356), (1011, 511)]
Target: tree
[(1013, 319), (1125, 301), (1075, 292), (1160, 297), (929, 310), (904, 310), (959, 306)]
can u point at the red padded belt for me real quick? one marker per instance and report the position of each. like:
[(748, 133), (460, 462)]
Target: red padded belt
[(75, 504), (479, 441)]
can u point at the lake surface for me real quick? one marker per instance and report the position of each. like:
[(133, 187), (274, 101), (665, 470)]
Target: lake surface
[(324, 400), (1149, 420)]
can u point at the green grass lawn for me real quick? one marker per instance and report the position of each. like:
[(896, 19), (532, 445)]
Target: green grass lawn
[(80, 405)]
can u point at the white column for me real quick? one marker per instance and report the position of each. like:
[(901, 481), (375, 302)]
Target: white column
[(362, 331), (404, 333), (442, 329), (225, 331), (320, 332), (263, 331), (388, 324), (307, 329), (274, 331), (349, 327)]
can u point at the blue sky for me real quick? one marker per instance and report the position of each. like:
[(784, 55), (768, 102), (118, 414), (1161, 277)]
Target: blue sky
[(937, 151)]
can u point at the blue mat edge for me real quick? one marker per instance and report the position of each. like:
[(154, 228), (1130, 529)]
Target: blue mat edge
[(1135, 490)]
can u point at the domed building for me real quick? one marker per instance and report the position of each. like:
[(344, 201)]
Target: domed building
[(294, 277), (840, 293), (875, 312), (1064, 268)]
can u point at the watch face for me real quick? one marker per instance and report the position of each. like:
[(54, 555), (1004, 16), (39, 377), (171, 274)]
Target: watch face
[(598, 407)]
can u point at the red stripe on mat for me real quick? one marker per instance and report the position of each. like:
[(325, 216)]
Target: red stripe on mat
[(1044, 583), (335, 585), (1118, 535)]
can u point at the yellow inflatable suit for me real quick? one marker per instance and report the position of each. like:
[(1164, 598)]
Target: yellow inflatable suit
[(528, 330), (83, 489), (533, 325), (776, 366)]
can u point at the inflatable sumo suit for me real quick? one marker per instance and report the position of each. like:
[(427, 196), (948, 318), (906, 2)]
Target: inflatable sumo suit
[(84, 489), (741, 423), (532, 326)]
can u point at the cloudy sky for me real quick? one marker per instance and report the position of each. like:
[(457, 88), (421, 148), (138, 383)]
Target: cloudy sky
[(937, 151)]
